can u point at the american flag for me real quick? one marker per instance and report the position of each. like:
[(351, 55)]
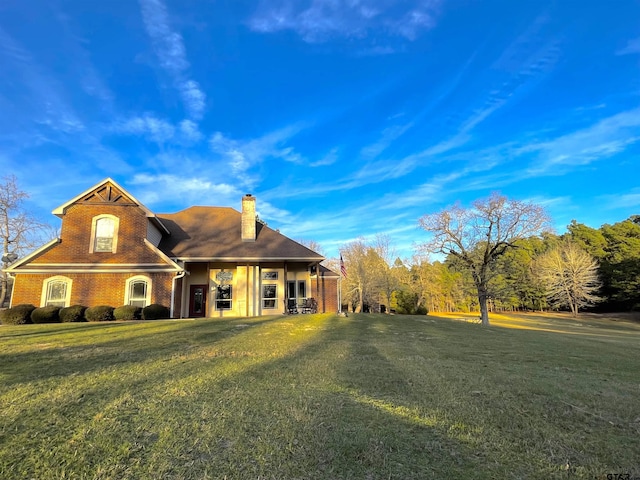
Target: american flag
[(343, 269)]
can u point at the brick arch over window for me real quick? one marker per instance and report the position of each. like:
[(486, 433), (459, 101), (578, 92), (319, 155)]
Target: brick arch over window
[(56, 291), (138, 291), (104, 234)]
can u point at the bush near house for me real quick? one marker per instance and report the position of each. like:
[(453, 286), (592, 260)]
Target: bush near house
[(48, 314), (18, 315), (127, 312), (101, 313), (74, 313), (155, 312)]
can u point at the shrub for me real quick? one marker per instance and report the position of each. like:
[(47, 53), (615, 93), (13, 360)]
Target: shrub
[(101, 313), (155, 312), (48, 314), (127, 312), (74, 313), (18, 315)]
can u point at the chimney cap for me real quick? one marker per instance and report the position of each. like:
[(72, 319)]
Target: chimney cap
[(248, 195)]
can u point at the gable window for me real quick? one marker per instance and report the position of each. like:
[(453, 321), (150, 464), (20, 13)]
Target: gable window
[(138, 291), (224, 297), (104, 234), (56, 292), (269, 296)]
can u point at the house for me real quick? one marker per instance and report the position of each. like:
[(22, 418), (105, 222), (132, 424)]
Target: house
[(200, 262)]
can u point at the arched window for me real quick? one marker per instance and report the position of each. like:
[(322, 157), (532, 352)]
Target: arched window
[(104, 234), (56, 291), (138, 291)]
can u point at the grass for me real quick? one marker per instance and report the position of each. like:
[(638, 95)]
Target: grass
[(321, 397)]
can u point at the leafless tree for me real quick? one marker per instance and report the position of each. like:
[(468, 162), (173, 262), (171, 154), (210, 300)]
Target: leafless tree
[(477, 236), (312, 245), (570, 276), (19, 231)]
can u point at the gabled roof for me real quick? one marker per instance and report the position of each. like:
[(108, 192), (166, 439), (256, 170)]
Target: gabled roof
[(214, 233), (103, 190)]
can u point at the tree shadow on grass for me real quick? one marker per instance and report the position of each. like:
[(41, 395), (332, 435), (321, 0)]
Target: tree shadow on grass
[(322, 397), (97, 350)]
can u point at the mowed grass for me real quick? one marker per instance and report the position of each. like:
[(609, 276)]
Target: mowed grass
[(321, 397)]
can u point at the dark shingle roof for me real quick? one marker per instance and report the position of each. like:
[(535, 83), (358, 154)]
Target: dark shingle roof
[(214, 233)]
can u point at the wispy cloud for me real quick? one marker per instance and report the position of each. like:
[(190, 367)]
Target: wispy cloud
[(148, 126), (45, 102), (323, 20), (387, 137), (607, 137), (158, 130), (241, 155), (190, 131), (623, 200), (632, 47), (170, 50), (195, 190)]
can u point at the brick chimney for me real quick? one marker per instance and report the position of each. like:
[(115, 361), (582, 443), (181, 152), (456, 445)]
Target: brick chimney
[(248, 218)]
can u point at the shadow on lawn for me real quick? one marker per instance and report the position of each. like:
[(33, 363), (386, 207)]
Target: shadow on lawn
[(328, 404), (92, 351)]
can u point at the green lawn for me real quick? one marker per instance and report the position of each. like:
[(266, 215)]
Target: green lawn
[(321, 397)]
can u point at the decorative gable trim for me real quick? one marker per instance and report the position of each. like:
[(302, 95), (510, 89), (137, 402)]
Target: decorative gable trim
[(108, 192)]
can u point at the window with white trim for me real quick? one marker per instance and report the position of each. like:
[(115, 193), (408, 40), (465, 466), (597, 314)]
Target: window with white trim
[(138, 291), (269, 296), (104, 234), (56, 292)]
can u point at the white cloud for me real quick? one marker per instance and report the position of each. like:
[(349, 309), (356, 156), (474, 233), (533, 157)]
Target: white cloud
[(622, 200), (243, 154), (148, 126), (322, 20), (170, 50), (190, 131), (193, 97), (191, 191), (607, 137), (632, 47)]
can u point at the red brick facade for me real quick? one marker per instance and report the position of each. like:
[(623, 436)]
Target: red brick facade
[(90, 289), (325, 293)]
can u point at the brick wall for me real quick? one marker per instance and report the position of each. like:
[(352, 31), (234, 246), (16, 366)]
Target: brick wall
[(326, 295), (92, 289), (76, 237)]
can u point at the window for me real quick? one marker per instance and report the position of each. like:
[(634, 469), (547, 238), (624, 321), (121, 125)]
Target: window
[(270, 275), (269, 296), (299, 294), (138, 291), (104, 234), (224, 297), (56, 292)]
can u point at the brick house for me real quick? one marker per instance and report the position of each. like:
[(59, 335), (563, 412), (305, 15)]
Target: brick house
[(200, 262)]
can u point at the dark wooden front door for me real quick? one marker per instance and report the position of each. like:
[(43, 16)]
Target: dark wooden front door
[(198, 301)]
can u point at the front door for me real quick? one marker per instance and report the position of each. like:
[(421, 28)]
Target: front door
[(198, 301)]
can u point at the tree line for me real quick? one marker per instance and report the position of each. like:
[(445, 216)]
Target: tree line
[(498, 255)]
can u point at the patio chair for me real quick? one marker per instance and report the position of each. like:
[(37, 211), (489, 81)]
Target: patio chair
[(310, 306)]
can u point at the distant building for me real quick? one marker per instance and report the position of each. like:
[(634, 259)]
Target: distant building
[(200, 262)]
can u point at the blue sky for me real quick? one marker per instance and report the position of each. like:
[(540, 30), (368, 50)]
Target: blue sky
[(345, 118)]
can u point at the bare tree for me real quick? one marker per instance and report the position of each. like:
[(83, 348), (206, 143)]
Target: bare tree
[(19, 231), (312, 245), (387, 279), (570, 276), (477, 236), (362, 285)]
